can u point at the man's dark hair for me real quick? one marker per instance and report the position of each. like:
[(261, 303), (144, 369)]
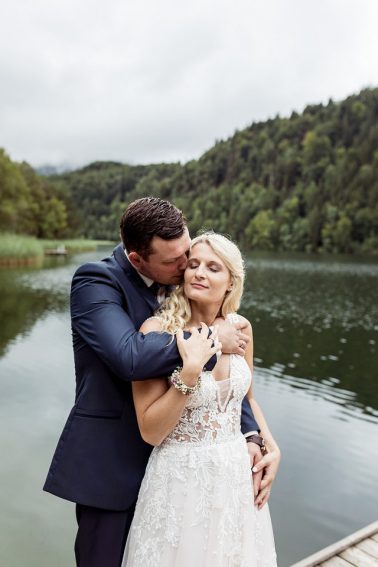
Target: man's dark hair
[(148, 217)]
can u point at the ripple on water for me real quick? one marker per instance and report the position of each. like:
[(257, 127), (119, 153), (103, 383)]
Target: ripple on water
[(327, 389)]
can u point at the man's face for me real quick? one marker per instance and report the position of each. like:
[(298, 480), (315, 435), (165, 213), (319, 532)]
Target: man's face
[(167, 262)]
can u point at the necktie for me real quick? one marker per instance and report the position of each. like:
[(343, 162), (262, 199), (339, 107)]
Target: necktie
[(155, 287)]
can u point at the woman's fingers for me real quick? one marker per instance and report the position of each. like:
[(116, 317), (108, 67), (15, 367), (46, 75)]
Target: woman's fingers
[(179, 335), (262, 498), (204, 331), (267, 481)]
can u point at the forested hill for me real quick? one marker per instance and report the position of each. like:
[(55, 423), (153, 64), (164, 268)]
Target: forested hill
[(306, 182)]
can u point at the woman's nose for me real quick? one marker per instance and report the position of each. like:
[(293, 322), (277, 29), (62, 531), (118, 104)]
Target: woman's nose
[(199, 271)]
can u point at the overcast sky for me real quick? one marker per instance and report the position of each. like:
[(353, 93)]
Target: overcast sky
[(144, 81)]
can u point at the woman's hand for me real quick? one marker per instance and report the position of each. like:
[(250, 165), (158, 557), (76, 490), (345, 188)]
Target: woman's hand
[(196, 351), (268, 465)]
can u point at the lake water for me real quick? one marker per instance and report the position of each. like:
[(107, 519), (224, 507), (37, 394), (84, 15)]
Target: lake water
[(315, 324)]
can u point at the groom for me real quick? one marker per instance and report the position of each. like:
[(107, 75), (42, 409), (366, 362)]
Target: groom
[(101, 458)]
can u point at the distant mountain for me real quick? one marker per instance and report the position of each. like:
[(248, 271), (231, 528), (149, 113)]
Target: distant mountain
[(47, 169)]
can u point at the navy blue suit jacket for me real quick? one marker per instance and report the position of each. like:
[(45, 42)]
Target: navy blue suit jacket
[(101, 458)]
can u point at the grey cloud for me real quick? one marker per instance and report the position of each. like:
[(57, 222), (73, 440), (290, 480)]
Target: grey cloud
[(145, 81)]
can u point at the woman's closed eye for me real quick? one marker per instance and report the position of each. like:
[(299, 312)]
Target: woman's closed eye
[(195, 265)]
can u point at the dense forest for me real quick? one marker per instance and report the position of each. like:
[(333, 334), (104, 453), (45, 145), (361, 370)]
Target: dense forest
[(307, 182)]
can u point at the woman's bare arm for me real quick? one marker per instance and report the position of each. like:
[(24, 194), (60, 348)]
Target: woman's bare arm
[(159, 406), (270, 462), (257, 411)]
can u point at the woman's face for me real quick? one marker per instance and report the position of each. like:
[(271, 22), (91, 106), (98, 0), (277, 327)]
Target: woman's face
[(206, 278)]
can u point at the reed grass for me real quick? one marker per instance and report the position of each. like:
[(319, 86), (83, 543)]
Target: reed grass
[(16, 248), (75, 245)]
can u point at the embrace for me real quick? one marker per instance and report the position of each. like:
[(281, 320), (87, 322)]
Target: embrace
[(166, 452)]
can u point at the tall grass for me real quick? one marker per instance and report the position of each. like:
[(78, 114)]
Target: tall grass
[(22, 249), (75, 245), (14, 248)]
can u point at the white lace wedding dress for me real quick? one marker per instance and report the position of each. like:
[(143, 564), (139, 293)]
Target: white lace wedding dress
[(195, 505)]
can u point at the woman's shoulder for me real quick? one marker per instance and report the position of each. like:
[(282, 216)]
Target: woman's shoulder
[(237, 318), (151, 325)]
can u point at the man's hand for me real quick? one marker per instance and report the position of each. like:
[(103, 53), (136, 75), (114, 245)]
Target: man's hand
[(255, 456), (268, 466), (232, 336)]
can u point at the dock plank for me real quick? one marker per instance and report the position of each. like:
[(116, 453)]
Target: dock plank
[(358, 557), (320, 558), (335, 561), (369, 546)]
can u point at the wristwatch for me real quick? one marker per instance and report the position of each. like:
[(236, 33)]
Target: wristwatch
[(255, 438)]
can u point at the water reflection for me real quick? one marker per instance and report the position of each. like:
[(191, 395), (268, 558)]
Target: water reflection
[(24, 301), (315, 366), (317, 321)]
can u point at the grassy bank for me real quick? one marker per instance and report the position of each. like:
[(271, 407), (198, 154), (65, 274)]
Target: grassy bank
[(17, 249), (75, 245), (24, 250)]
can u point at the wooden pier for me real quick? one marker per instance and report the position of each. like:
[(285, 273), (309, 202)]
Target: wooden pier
[(59, 251), (356, 550)]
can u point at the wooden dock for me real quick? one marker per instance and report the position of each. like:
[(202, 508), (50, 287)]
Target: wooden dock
[(357, 550), (59, 251)]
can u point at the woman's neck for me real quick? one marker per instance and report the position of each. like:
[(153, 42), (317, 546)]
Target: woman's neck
[(203, 313)]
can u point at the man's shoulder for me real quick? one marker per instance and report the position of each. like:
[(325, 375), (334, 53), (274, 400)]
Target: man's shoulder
[(106, 270), (115, 262), (102, 267)]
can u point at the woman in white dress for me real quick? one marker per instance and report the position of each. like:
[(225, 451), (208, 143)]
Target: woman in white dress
[(196, 505)]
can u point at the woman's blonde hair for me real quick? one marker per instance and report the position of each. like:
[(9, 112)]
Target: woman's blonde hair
[(175, 312)]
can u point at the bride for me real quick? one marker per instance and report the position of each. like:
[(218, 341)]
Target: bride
[(195, 506)]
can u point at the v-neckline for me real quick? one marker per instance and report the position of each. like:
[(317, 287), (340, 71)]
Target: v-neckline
[(223, 406)]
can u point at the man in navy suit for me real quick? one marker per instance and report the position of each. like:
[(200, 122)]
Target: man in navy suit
[(101, 458)]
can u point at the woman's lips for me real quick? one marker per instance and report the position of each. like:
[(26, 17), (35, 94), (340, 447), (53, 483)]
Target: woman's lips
[(198, 286)]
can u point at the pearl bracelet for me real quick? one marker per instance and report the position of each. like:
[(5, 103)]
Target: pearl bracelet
[(175, 380)]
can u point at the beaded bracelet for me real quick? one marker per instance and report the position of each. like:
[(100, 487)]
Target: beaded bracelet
[(175, 380)]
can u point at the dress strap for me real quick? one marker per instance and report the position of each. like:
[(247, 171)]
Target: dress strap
[(233, 317)]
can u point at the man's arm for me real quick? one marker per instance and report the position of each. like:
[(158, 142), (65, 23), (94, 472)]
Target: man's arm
[(248, 422), (99, 317)]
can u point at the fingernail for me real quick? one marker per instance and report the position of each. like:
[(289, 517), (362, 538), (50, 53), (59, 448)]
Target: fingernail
[(254, 469)]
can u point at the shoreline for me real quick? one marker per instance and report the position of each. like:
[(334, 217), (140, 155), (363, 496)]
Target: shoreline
[(22, 250)]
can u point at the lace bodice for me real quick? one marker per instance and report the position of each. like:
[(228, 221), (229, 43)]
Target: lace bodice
[(213, 413)]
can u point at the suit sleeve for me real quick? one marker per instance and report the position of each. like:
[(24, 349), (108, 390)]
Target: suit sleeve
[(248, 422), (99, 317)]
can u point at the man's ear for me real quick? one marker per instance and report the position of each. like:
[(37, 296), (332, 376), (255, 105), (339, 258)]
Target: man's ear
[(135, 259)]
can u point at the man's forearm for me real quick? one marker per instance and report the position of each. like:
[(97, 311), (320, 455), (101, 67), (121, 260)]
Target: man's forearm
[(248, 421)]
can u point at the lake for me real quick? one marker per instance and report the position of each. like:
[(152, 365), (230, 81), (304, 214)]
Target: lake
[(315, 322)]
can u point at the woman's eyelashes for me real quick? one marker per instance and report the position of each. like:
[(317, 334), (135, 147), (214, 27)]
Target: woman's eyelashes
[(195, 265)]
